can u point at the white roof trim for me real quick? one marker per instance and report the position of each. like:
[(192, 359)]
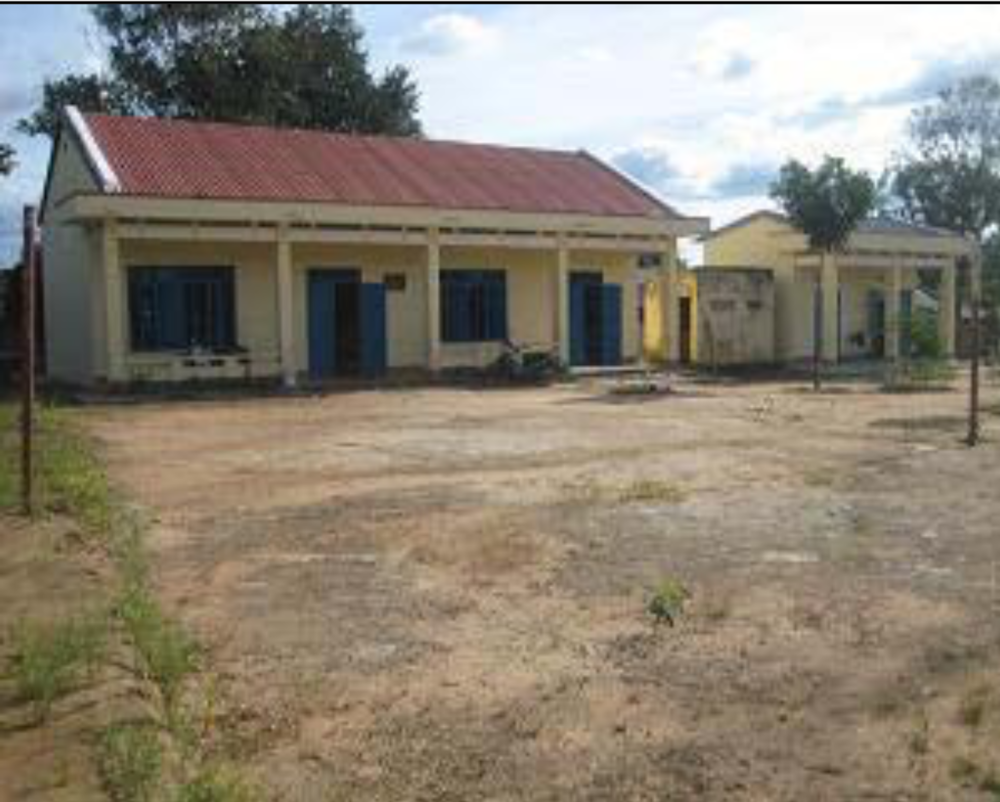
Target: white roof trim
[(109, 181)]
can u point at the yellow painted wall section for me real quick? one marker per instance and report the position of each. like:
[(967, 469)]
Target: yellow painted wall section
[(531, 288)]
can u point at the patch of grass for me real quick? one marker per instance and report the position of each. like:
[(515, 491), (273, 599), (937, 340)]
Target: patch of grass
[(50, 659), (651, 491), (130, 761), (963, 771), (973, 706), (818, 477), (668, 603), (166, 654), (69, 478), (216, 784), (920, 738)]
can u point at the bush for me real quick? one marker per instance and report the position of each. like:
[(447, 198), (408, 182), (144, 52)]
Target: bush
[(668, 602), (49, 659), (130, 761)]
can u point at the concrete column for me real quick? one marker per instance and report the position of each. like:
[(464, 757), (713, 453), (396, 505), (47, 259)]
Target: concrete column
[(114, 304), (671, 309), (893, 318), (433, 299), (831, 308), (946, 311), (286, 308), (562, 302)]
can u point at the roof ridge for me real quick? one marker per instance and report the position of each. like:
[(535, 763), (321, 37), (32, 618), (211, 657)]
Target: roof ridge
[(239, 125)]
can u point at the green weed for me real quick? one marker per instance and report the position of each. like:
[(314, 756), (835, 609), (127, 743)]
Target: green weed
[(130, 761), (49, 660), (669, 601)]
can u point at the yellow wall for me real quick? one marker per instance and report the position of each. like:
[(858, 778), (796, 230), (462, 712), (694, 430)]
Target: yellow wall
[(531, 287)]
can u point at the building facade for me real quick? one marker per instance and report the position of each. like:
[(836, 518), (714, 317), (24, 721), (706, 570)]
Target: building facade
[(183, 250)]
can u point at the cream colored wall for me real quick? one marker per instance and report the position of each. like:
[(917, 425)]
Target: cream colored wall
[(735, 317), (70, 257)]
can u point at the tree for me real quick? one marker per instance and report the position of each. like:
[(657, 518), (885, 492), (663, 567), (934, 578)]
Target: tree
[(304, 66), (949, 176), (826, 205), (7, 163)]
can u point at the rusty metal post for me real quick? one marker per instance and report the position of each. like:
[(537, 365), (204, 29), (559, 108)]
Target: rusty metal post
[(28, 363), (975, 284)]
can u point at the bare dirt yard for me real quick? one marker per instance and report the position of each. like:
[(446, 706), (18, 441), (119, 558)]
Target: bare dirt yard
[(429, 594)]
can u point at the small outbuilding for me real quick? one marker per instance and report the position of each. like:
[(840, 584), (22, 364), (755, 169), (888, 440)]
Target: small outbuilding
[(857, 303)]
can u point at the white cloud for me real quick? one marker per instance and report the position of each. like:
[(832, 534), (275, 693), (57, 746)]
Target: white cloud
[(449, 34)]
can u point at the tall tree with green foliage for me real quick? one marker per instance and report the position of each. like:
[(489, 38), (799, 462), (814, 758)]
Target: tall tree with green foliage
[(302, 66), (948, 175), (825, 204)]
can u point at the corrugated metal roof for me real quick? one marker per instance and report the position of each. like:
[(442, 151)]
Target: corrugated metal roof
[(184, 159), (873, 225)]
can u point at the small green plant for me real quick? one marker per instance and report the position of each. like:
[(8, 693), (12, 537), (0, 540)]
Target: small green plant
[(920, 738), (669, 601), (963, 771), (651, 491), (166, 654), (130, 760), (216, 784), (972, 707), (49, 659)]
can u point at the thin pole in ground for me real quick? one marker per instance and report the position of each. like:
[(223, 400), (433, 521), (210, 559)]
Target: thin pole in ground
[(28, 363), (972, 438)]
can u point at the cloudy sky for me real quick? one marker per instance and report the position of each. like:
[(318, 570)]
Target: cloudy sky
[(700, 103)]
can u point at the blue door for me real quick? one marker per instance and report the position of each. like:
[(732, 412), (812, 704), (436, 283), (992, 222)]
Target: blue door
[(611, 324), (322, 323), (584, 317), (373, 336), (346, 323)]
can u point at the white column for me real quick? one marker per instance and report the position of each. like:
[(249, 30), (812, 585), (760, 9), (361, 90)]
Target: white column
[(562, 302), (893, 319), (114, 304), (286, 307), (831, 309), (946, 311), (433, 299)]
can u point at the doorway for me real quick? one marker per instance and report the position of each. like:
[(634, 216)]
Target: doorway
[(684, 334), (346, 320), (595, 320)]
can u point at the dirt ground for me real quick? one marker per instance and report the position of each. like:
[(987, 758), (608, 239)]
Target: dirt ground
[(442, 593)]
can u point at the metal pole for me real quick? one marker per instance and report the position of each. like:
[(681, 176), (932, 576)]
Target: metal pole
[(973, 436), (28, 362)]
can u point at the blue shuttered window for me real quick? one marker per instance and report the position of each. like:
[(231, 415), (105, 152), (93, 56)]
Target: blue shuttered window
[(473, 305), (177, 309)]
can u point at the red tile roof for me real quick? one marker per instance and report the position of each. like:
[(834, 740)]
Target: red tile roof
[(183, 159)]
